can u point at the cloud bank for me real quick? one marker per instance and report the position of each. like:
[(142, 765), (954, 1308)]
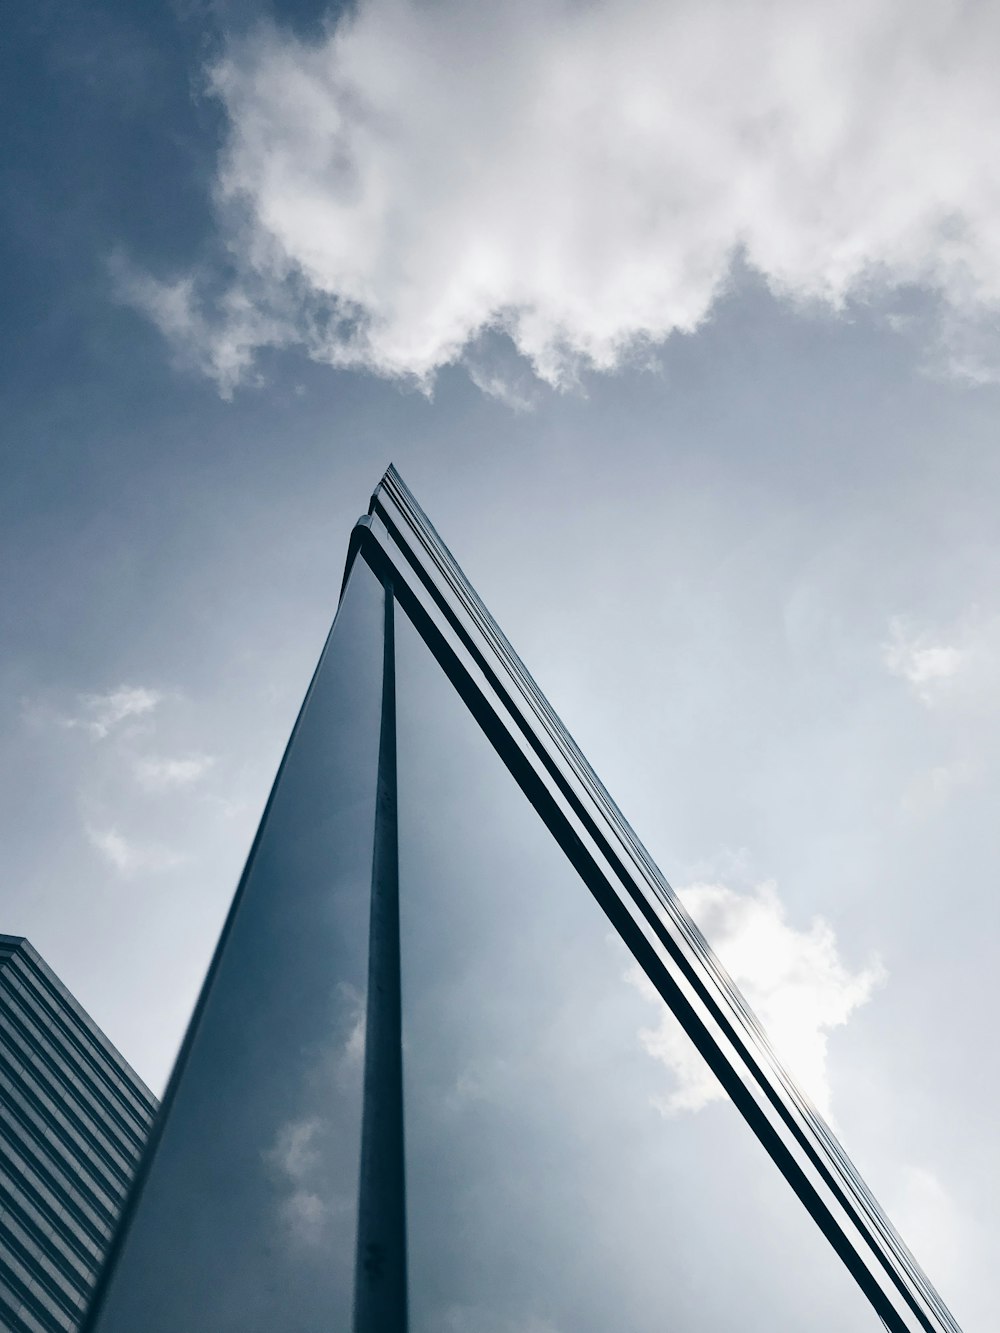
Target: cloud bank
[(794, 981), (581, 177)]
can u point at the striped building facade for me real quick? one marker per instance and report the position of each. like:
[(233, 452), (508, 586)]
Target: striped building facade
[(73, 1119)]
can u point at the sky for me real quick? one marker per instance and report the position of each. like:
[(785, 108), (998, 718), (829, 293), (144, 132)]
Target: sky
[(681, 321)]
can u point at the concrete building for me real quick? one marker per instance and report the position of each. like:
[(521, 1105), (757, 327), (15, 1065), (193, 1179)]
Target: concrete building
[(73, 1119)]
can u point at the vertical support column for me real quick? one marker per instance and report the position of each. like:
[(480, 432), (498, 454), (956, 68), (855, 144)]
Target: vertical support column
[(380, 1267)]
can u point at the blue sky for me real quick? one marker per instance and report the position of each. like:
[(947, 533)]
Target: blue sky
[(685, 336)]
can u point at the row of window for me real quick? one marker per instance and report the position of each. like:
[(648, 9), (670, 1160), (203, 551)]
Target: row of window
[(36, 1183), (51, 1031), (72, 1125), (16, 1313), (24, 1126), (25, 1290), (47, 1124), (61, 1292), (51, 1234), (85, 1044), (99, 1053), (35, 1063)]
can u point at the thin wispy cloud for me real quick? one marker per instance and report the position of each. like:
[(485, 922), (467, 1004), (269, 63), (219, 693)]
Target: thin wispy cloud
[(219, 338), (101, 714), (794, 980), (160, 773), (130, 856), (582, 177)]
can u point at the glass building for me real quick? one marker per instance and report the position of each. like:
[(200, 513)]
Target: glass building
[(73, 1120), (415, 1092)]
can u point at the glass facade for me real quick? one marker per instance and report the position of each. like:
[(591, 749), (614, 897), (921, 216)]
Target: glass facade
[(546, 1190), (415, 1095), (245, 1217), (73, 1120)]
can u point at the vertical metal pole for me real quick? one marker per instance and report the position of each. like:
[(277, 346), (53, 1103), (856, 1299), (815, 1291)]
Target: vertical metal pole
[(380, 1267)]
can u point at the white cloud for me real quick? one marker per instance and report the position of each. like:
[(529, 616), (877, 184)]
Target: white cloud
[(304, 1214), (353, 1003), (294, 1159), (581, 177), (129, 857), (157, 773), (100, 714), (220, 337), (794, 980), (958, 667), (926, 666), (310, 1204), (295, 1152)]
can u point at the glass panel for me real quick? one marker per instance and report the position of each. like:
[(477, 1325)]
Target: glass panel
[(546, 1192), (247, 1220)]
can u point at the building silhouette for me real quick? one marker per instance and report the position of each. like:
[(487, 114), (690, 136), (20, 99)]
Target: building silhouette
[(73, 1120), (403, 1101)]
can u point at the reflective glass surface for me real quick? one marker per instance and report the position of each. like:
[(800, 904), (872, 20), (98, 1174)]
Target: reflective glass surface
[(547, 1190), (246, 1219)]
